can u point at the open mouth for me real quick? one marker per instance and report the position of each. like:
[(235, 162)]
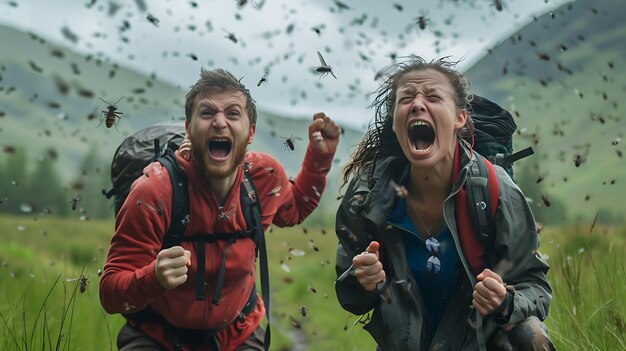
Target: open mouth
[(421, 135), (220, 148)]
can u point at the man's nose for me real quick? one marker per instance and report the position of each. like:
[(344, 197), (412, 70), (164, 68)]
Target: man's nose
[(219, 121)]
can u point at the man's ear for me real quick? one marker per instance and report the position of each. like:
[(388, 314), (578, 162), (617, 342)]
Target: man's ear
[(187, 126), (252, 131)]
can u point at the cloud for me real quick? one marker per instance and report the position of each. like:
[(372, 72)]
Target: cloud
[(279, 37)]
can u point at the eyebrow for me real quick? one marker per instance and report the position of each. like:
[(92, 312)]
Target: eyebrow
[(426, 89), (206, 104)]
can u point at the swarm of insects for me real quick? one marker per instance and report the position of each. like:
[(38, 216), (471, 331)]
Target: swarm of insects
[(324, 69), (110, 114)]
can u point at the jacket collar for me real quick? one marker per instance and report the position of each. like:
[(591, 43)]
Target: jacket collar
[(396, 169)]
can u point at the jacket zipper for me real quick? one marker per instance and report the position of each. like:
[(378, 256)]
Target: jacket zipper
[(417, 300)]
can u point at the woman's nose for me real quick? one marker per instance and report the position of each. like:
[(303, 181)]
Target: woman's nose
[(418, 106)]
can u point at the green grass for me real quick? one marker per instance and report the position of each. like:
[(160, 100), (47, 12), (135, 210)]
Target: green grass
[(41, 305), (588, 278), (40, 309)]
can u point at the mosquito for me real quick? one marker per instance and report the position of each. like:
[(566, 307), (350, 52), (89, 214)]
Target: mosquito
[(324, 69)]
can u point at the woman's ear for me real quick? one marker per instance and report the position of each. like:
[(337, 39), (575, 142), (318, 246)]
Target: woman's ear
[(461, 119)]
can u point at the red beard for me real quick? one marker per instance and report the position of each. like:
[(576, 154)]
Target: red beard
[(210, 169)]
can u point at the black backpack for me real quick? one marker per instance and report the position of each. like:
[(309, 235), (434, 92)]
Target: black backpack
[(159, 143), (493, 133), (493, 139)]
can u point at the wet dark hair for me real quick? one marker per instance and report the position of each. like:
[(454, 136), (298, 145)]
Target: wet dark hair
[(218, 81), (379, 140)]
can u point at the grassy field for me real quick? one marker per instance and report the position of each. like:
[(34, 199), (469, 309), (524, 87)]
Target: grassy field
[(42, 307)]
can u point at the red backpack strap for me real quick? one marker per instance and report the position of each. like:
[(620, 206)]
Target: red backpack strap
[(475, 208), (493, 187)]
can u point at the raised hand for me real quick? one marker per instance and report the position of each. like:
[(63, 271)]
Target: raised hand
[(171, 266), (185, 148), (324, 133)]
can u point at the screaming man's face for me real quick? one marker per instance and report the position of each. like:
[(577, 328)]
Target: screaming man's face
[(220, 132)]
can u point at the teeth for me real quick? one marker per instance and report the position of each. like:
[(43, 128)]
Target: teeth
[(419, 123)]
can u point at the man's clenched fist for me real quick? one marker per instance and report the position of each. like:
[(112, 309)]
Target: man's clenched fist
[(171, 266)]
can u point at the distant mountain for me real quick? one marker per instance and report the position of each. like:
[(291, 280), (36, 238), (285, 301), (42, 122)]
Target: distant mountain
[(50, 106), (564, 77)]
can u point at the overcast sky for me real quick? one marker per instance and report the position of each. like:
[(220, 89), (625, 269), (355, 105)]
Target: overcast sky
[(174, 38)]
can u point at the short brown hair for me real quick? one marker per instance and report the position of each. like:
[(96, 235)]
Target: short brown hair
[(218, 81)]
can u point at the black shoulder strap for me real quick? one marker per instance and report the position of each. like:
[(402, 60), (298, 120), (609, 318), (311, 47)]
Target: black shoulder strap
[(477, 188), (478, 203), (180, 199), (251, 209)]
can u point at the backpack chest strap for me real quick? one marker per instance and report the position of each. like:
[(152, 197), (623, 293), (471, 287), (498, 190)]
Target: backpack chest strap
[(201, 241)]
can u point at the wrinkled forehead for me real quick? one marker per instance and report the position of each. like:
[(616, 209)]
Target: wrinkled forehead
[(422, 80), (221, 98)]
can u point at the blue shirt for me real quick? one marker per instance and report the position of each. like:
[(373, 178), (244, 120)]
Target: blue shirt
[(437, 289)]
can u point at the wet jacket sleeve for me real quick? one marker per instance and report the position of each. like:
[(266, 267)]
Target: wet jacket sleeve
[(129, 281), (299, 198), (351, 232), (517, 241)]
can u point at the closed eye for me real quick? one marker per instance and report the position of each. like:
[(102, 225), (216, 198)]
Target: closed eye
[(207, 113), (234, 114), (405, 99)]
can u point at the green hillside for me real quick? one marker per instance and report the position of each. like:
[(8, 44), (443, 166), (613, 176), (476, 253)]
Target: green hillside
[(563, 74), (50, 109)]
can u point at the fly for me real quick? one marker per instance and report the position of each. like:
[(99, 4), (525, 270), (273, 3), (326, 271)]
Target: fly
[(263, 79), (290, 142), (324, 69), (83, 282), (74, 202), (275, 191), (225, 216), (155, 21)]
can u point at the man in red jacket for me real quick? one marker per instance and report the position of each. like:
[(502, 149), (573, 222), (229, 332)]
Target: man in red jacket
[(220, 123)]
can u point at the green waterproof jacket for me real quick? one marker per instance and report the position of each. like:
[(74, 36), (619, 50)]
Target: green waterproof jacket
[(398, 317)]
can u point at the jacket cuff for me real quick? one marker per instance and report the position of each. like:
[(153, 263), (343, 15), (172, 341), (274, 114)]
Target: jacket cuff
[(148, 282), (316, 161), (503, 313)]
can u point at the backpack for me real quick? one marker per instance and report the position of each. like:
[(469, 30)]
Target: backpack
[(493, 133), (493, 143), (159, 143)]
